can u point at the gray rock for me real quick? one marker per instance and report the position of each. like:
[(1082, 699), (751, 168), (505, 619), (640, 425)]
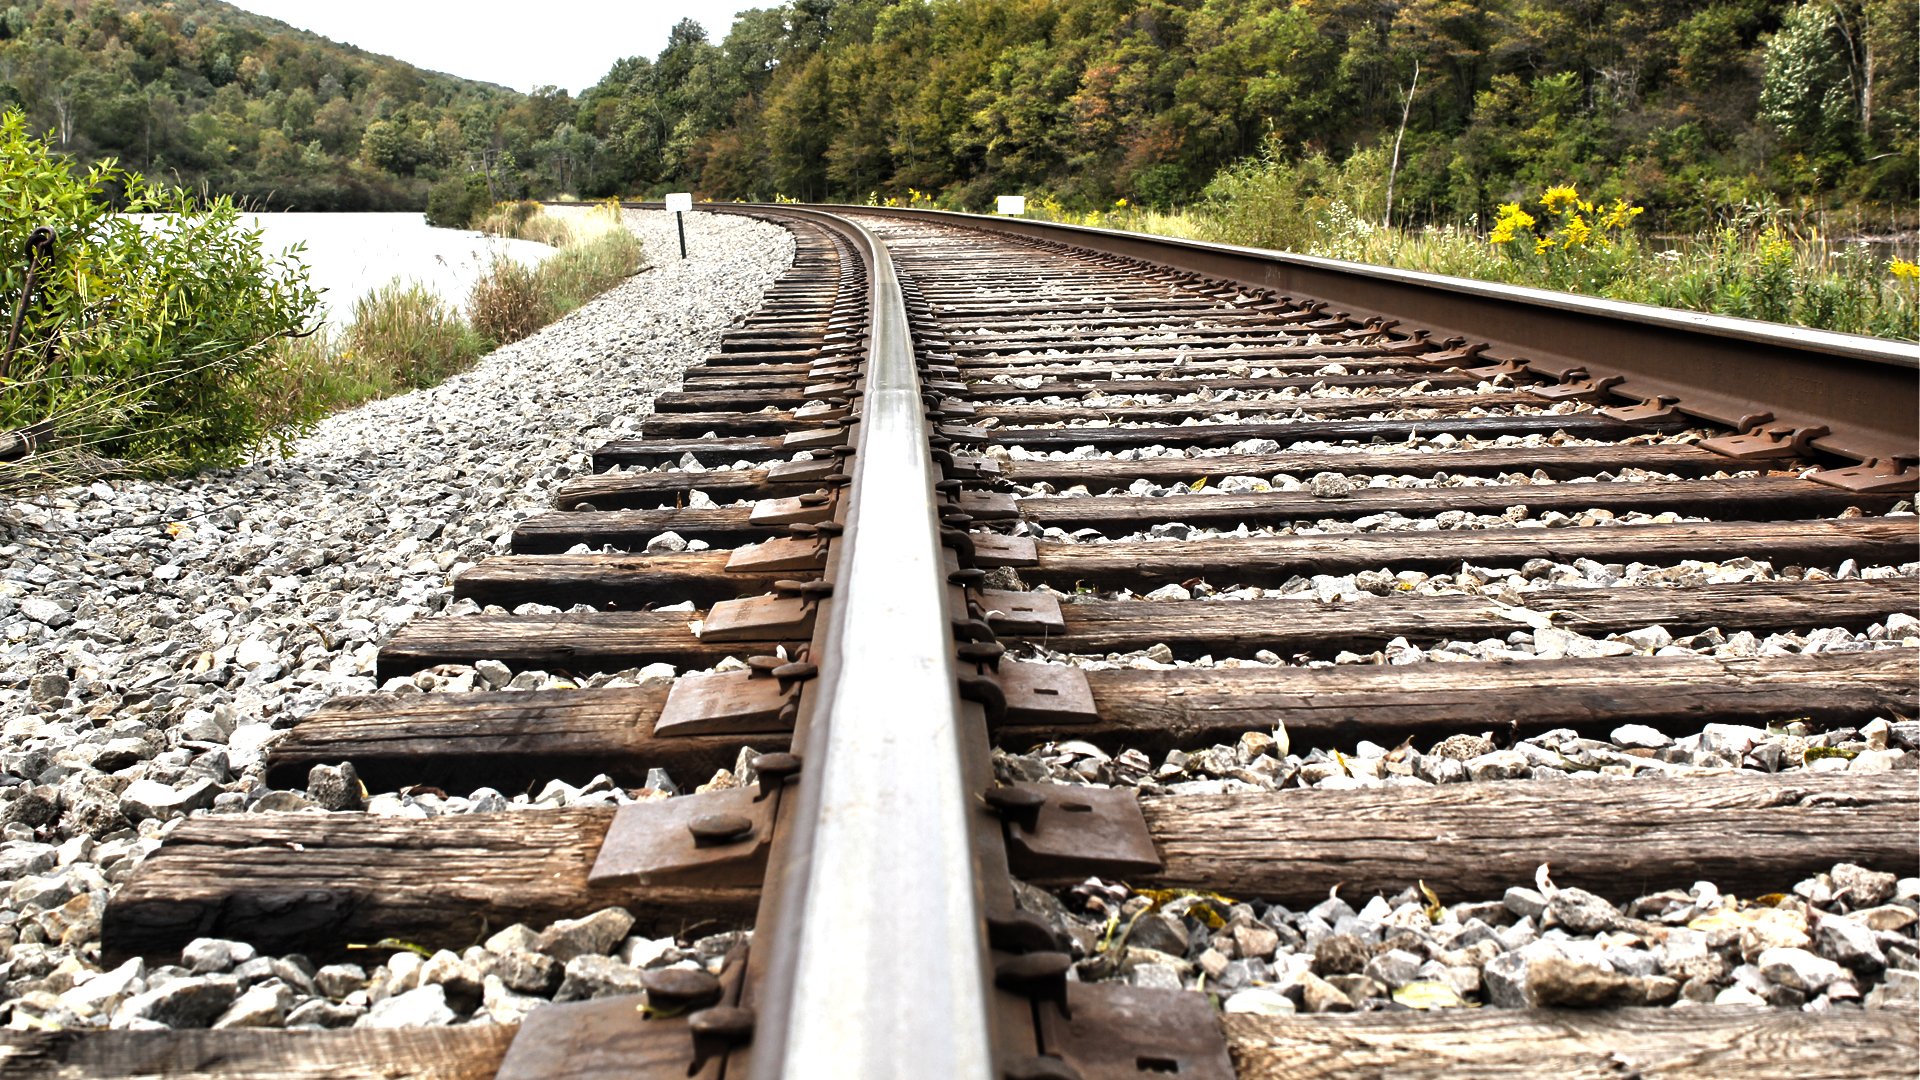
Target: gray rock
[(22, 857), (459, 977), (595, 935), (1160, 932), (48, 689), (150, 799), (1395, 967), (1864, 888), (1320, 996), (338, 980), (282, 802), (592, 976), (319, 1013), (1901, 990), (1259, 1001), (262, 968), (423, 1006), (529, 972), (1462, 748), (1581, 911), (1640, 737), (204, 956), (1340, 954), (1156, 977), (643, 952), (1499, 765), (117, 754), (1849, 942), (337, 787), (45, 611), (1525, 903), (1255, 942), (1358, 988), (105, 991), (192, 1001), (1798, 969), (1330, 485), (503, 1006), (264, 1005)]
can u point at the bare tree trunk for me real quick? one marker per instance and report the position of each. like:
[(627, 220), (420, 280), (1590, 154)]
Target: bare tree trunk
[(1394, 172), (1866, 73)]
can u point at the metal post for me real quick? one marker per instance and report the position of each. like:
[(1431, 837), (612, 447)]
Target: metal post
[(679, 221)]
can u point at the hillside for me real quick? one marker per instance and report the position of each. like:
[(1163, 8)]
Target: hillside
[(1699, 112), (203, 92), (1680, 107)]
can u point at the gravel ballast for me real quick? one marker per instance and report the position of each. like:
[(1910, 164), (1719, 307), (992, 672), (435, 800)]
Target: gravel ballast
[(156, 636)]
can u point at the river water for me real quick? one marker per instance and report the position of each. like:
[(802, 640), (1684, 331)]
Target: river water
[(350, 255)]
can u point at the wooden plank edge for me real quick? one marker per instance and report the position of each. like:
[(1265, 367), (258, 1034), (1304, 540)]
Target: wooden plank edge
[(447, 1053), (1707, 1042)]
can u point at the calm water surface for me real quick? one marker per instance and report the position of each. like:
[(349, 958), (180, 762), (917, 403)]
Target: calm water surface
[(350, 255)]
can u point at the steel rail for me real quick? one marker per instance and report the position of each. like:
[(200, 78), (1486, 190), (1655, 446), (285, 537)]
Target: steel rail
[(875, 957), (1864, 391)]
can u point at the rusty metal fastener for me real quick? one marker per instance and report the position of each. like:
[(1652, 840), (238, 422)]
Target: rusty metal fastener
[(729, 1024), (678, 989), (717, 1030), (758, 666), (1039, 976), (805, 589), (982, 652), (973, 630), (796, 671), (774, 770), (1019, 806), (1038, 1068), (1021, 932), (960, 542), (709, 829), (983, 690), (969, 578), (815, 498)]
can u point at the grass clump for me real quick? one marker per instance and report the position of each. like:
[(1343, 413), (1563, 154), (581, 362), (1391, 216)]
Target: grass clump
[(596, 253)]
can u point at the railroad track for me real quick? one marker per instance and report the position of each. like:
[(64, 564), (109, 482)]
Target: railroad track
[(973, 522)]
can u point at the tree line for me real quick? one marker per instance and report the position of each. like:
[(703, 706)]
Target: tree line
[(1681, 107)]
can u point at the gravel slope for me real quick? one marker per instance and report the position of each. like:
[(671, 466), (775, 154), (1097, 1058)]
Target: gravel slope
[(155, 636)]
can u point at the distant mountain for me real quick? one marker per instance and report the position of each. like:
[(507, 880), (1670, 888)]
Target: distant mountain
[(205, 93)]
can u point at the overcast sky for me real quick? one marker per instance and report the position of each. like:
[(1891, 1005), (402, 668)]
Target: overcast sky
[(568, 45)]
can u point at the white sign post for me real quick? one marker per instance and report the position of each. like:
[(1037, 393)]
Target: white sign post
[(1010, 204), (680, 202)]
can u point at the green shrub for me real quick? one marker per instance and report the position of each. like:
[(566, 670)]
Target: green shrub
[(457, 202), (147, 339)]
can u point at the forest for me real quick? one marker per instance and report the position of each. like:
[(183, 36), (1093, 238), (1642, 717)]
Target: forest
[(1682, 108)]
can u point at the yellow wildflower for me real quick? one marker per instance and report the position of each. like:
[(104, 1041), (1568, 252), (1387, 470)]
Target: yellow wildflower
[(1543, 245), (1559, 198), (1621, 214), (1904, 270), (1511, 220), (1119, 204), (1576, 231)]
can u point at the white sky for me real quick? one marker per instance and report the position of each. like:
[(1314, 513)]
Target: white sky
[(569, 45)]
